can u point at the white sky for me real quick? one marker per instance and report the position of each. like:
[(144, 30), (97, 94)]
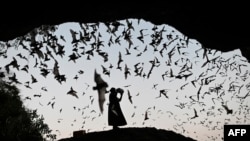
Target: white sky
[(163, 112)]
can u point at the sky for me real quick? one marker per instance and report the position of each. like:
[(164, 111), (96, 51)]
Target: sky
[(191, 77)]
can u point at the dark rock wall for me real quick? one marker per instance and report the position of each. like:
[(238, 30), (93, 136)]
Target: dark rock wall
[(219, 26)]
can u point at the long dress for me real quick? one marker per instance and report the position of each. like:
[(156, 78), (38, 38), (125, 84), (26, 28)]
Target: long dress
[(115, 115)]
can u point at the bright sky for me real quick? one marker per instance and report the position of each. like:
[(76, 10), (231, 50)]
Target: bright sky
[(209, 85)]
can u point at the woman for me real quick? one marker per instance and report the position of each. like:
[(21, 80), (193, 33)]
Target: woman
[(115, 115)]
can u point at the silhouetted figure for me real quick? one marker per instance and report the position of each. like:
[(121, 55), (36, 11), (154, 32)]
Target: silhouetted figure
[(115, 115)]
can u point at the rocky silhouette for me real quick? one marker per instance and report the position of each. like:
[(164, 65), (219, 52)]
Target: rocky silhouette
[(209, 23), (131, 134)]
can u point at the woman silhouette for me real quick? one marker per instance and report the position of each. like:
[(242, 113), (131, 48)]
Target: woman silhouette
[(115, 115)]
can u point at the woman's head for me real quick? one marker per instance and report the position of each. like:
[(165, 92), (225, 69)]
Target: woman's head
[(112, 90)]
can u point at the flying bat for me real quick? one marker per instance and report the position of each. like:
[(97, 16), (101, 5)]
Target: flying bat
[(101, 87), (229, 111), (72, 92), (130, 97), (195, 114)]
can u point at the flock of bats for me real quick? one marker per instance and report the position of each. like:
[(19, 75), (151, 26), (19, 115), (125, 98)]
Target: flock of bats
[(169, 54)]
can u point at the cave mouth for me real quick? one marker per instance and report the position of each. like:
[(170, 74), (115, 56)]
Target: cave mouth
[(212, 27)]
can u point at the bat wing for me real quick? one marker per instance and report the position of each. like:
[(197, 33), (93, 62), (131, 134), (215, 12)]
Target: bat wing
[(101, 87), (98, 79), (101, 97)]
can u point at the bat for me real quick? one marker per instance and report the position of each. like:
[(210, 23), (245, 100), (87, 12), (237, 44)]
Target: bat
[(72, 92), (195, 114), (130, 97), (229, 111), (101, 87)]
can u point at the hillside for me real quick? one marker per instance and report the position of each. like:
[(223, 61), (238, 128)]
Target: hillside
[(131, 134)]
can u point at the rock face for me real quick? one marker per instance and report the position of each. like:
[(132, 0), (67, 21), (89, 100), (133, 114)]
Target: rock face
[(131, 134), (216, 26)]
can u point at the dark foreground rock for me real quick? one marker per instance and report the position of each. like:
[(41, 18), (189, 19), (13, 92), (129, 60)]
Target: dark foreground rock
[(131, 134)]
